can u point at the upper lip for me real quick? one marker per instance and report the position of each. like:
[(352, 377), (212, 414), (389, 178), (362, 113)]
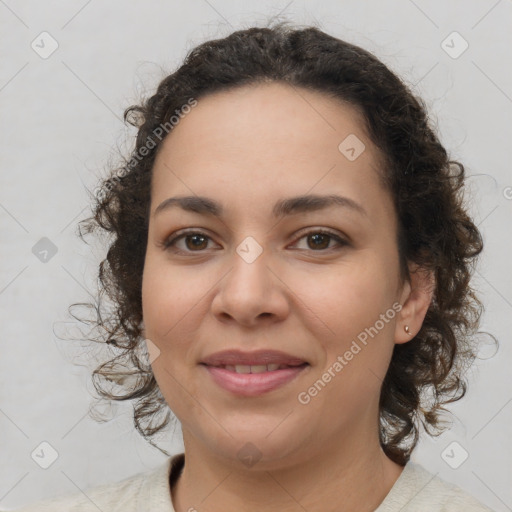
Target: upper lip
[(258, 357)]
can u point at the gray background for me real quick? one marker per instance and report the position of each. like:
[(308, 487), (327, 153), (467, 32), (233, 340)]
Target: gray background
[(61, 124)]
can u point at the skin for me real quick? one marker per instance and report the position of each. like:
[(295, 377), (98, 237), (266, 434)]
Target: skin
[(248, 148)]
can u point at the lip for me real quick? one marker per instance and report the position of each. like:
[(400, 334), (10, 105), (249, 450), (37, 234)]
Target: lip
[(258, 357), (253, 384)]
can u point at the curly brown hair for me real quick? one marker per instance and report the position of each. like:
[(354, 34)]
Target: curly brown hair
[(434, 228)]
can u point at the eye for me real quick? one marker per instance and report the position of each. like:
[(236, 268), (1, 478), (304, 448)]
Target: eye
[(195, 241), (319, 240)]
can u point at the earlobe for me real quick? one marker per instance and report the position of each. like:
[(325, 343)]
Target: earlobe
[(416, 298)]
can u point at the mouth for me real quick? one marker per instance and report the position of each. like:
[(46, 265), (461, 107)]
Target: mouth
[(258, 368), (260, 360), (253, 380)]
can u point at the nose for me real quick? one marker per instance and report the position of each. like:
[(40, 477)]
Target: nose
[(251, 293)]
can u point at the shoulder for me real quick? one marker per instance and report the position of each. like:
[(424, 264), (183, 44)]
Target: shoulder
[(419, 490), (134, 493)]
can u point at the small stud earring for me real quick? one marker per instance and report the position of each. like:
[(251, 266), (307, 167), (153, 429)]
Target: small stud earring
[(406, 328)]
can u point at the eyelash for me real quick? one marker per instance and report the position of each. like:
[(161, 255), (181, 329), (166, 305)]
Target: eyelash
[(169, 243)]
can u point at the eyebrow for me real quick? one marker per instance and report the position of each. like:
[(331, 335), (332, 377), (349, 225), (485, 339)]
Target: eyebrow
[(283, 207)]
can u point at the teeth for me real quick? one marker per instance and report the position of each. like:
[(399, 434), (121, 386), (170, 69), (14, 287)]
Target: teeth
[(242, 368), (260, 368)]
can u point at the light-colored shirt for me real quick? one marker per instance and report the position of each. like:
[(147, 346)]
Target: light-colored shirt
[(415, 490)]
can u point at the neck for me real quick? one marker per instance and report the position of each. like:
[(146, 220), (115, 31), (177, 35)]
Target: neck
[(342, 478)]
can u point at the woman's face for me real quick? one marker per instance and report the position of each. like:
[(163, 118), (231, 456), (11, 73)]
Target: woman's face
[(249, 280)]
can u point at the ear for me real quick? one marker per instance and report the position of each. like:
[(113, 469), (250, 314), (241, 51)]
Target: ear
[(416, 297)]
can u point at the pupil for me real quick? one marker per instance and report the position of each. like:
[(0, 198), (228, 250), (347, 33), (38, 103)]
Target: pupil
[(196, 237), (315, 237)]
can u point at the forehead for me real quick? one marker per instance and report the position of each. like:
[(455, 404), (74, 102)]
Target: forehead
[(251, 142)]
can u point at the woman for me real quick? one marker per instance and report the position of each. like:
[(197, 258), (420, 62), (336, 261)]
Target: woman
[(291, 248)]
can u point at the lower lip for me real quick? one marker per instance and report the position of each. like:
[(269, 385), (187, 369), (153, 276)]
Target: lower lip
[(253, 384)]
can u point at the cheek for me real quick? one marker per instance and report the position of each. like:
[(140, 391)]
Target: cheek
[(346, 304), (170, 300), (348, 296), (168, 293), (355, 342), (175, 305)]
